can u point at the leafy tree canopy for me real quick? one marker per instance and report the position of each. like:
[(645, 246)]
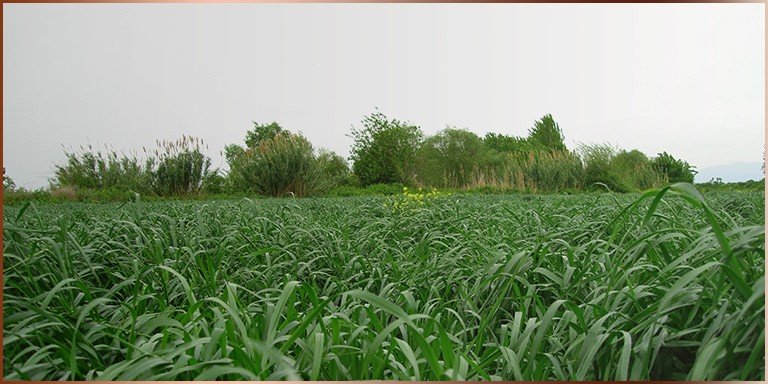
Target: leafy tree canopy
[(8, 184), (504, 143), (261, 132), (384, 151), (676, 170), (448, 157), (547, 134)]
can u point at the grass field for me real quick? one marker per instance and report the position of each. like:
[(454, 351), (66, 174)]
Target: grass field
[(667, 285)]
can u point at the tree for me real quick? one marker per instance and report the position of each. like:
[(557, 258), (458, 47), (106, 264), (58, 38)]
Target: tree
[(261, 132), (503, 143), (385, 151), (547, 134), (8, 184), (234, 154), (333, 167), (449, 157), (675, 170)]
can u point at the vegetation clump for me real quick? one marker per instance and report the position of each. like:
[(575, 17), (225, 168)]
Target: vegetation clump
[(277, 162), (174, 168), (385, 151)]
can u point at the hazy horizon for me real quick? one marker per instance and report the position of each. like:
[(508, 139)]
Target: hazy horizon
[(688, 79)]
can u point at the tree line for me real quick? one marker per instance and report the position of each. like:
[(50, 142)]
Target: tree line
[(274, 161)]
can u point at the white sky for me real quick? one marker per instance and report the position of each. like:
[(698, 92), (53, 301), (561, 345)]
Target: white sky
[(688, 79)]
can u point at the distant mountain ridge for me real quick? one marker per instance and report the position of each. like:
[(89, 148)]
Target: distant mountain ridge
[(733, 172)]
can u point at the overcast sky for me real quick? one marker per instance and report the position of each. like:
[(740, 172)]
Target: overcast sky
[(688, 79)]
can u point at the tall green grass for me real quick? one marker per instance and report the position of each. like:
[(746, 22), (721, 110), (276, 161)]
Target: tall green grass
[(668, 285), (179, 167), (96, 169), (283, 165), (173, 168)]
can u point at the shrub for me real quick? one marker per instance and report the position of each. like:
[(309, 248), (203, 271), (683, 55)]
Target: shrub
[(8, 184), (334, 168), (96, 170), (282, 165), (65, 193), (261, 132), (743, 186), (447, 159), (385, 151), (632, 171), (503, 143), (181, 167), (214, 183), (674, 169), (23, 195), (546, 171), (596, 160)]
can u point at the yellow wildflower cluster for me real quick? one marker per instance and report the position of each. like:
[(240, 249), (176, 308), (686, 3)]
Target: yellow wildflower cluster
[(412, 199)]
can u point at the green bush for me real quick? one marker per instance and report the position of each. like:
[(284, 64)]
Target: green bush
[(96, 170), (596, 161), (174, 168), (675, 170), (261, 132), (334, 169), (214, 183), (546, 134), (447, 159), (503, 143), (181, 167), (235, 181), (8, 184), (742, 186), (632, 171), (283, 165), (385, 151), (546, 171), (23, 195)]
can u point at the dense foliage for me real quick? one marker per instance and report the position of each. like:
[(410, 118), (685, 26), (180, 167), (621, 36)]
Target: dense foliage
[(335, 169), (385, 151), (546, 134), (676, 170), (283, 165), (276, 162), (261, 132), (449, 158), (89, 169), (720, 185), (668, 285), (180, 168), (173, 168), (8, 184)]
